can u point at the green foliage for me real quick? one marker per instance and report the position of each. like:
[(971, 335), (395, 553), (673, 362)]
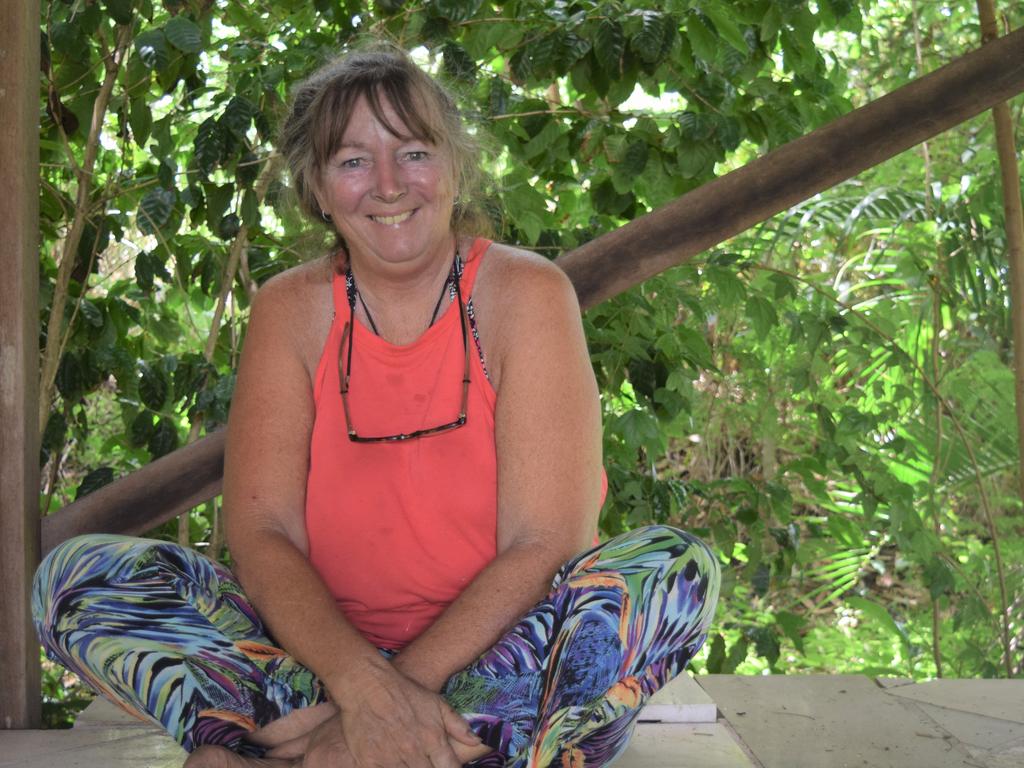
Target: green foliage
[(780, 397), (63, 695)]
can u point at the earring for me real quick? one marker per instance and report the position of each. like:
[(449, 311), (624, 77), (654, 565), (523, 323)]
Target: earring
[(326, 216)]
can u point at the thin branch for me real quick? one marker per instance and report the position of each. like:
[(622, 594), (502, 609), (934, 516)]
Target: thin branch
[(177, 278), (936, 340), (54, 335), (238, 246), (531, 113)]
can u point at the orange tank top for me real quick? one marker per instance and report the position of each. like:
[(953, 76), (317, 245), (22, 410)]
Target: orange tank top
[(398, 530)]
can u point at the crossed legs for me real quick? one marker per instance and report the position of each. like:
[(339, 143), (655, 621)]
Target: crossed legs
[(169, 635)]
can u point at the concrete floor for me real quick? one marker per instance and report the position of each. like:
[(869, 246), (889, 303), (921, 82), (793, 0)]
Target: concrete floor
[(719, 721)]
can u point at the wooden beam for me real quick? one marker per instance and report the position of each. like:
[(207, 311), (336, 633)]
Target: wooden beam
[(859, 140), (621, 259), (147, 497), (19, 361)]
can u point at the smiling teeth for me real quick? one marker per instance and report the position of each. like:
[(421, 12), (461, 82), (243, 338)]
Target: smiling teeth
[(392, 220)]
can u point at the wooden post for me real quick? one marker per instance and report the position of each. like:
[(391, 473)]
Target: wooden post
[(19, 361), (1014, 219), (1013, 208)]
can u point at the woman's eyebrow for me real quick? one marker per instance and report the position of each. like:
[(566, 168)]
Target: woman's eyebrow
[(359, 145)]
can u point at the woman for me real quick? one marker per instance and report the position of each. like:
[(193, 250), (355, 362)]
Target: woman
[(413, 466)]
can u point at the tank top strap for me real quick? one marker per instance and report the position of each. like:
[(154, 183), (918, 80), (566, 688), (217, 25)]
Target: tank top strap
[(339, 292), (471, 265), (329, 354)]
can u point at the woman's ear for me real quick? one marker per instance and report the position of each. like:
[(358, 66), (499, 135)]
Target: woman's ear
[(314, 188), (323, 212)]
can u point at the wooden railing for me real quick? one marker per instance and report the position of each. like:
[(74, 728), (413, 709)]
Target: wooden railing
[(147, 497), (641, 249)]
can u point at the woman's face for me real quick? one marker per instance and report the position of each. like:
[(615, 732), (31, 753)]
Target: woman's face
[(389, 196)]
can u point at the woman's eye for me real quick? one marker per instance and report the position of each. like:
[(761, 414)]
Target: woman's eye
[(417, 154), (350, 161)]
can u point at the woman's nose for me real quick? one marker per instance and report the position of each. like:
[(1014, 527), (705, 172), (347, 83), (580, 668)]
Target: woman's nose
[(389, 184)]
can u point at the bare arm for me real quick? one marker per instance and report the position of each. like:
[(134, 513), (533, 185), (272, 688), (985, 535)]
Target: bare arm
[(266, 463), (386, 718), (548, 440)]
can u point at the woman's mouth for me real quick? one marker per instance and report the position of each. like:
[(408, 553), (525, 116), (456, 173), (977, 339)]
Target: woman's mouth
[(393, 221)]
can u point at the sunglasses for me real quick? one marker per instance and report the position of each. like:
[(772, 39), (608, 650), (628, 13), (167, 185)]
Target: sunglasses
[(345, 377)]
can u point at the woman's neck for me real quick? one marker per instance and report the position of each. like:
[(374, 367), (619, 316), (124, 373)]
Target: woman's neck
[(402, 297)]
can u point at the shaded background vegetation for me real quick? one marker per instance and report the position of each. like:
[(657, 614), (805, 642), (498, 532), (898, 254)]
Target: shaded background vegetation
[(828, 399)]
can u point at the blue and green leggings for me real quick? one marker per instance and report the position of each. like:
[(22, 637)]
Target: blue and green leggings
[(169, 634)]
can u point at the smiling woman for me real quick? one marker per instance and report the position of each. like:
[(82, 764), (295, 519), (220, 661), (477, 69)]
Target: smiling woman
[(412, 522)]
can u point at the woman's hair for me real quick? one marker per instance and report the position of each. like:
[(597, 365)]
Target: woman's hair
[(383, 75)]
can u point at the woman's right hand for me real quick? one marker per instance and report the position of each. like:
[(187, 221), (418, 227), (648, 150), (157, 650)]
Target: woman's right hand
[(389, 720)]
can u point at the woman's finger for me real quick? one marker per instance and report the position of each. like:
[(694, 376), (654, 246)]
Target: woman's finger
[(443, 756), (292, 748), (456, 726)]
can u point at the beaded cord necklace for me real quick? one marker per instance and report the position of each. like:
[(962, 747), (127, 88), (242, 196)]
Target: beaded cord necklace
[(449, 286)]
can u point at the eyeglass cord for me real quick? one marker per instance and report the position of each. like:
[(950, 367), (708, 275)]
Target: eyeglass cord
[(353, 294)]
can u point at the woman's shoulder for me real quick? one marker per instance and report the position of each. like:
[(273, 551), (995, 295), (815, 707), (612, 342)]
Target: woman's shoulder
[(298, 303), (510, 257), (297, 282), (520, 299), (514, 279)]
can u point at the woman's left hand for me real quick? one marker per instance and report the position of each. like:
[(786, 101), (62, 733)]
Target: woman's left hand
[(397, 723), (390, 720)]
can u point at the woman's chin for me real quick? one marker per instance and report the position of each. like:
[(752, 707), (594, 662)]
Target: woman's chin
[(405, 243)]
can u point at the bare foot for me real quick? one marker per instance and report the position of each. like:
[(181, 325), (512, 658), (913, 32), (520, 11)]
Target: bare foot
[(297, 747), (219, 757)]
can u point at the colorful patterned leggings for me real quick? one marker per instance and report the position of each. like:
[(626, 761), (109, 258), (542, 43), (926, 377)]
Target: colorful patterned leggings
[(166, 632)]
